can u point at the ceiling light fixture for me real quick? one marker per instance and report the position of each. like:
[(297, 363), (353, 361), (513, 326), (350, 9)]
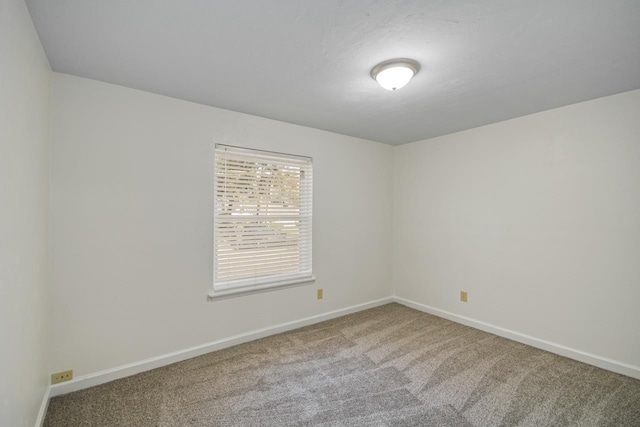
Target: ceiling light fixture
[(395, 73)]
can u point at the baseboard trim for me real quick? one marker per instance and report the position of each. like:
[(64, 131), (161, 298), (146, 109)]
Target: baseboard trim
[(581, 356), (112, 374), (43, 407), (97, 378)]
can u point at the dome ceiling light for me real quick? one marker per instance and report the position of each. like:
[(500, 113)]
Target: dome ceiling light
[(395, 73)]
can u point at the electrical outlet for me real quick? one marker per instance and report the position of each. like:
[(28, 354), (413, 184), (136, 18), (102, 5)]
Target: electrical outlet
[(463, 296), (320, 293), (61, 377)]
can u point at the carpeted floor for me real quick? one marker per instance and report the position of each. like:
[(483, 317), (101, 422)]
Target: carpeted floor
[(390, 365)]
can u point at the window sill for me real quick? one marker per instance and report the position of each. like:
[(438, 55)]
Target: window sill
[(267, 287)]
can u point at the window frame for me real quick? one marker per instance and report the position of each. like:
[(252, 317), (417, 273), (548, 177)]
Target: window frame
[(275, 282)]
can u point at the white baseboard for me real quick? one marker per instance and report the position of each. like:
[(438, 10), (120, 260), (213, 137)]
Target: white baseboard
[(43, 407), (86, 381), (581, 356), (105, 376)]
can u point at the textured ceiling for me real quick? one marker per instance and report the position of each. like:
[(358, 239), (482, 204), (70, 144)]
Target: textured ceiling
[(308, 62)]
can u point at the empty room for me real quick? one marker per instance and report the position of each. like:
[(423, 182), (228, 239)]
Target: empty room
[(319, 213)]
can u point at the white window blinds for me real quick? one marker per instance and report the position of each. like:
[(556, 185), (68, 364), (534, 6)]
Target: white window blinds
[(262, 219)]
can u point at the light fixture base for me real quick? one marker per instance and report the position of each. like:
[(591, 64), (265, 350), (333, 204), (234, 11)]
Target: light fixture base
[(399, 62)]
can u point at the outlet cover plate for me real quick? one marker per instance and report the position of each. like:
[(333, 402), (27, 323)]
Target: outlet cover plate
[(60, 377)]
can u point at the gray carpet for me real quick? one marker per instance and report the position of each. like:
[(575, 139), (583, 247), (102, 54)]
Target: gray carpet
[(390, 365)]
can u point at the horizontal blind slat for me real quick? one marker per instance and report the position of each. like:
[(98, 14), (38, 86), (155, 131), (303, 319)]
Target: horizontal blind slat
[(249, 252), (273, 245), (255, 156), (257, 263), (259, 268)]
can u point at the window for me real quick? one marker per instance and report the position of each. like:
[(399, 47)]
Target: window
[(262, 220)]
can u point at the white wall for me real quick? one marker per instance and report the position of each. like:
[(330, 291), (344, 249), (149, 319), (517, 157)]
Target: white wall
[(538, 218), (24, 141), (131, 224)]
